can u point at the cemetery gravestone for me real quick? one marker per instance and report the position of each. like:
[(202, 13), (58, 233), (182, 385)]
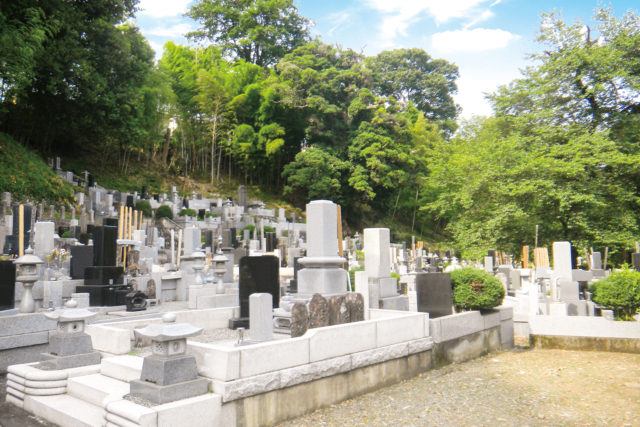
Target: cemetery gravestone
[(258, 274), (7, 284), (81, 258), (434, 294)]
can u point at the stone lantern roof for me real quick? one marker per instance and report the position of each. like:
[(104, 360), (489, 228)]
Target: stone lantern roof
[(168, 330)]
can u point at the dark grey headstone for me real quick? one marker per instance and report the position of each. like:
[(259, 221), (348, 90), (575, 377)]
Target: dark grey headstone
[(81, 258), (318, 312), (635, 260), (258, 274), (130, 201), (299, 319), (434, 294)]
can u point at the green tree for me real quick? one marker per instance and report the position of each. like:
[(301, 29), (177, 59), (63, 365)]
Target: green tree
[(258, 31), (411, 75)]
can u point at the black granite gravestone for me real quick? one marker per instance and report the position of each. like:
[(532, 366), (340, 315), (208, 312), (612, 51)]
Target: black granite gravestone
[(201, 214), (208, 239), (144, 194), (130, 203), (110, 221), (7, 284), (271, 241), (434, 294), (103, 280), (28, 211), (91, 181), (81, 258), (233, 234), (104, 245), (258, 274)]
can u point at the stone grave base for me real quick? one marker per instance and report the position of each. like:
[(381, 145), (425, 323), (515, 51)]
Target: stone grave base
[(168, 393), (53, 361)]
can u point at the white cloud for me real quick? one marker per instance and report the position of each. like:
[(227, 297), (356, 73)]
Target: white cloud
[(178, 30), (441, 11), (476, 40), (162, 8)]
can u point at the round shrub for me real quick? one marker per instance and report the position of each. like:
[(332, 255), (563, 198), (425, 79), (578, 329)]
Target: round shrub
[(619, 292), (164, 211), (188, 212), (475, 289), (145, 207)]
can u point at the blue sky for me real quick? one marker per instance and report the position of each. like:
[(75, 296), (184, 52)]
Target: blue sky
[(489, 40)]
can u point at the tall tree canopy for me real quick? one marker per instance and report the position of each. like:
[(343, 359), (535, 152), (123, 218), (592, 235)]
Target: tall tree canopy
[(563, 150), (257, 31)]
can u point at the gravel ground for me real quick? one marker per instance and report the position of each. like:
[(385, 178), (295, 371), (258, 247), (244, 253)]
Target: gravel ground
[(514, 388)]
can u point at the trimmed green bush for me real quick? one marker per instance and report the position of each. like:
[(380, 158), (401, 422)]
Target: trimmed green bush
[(475, 289), (145, 207), (164, 211), (619, 292), (188, 212)]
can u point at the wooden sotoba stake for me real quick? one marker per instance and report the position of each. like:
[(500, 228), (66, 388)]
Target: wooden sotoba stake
[(340, 249), (21, 230)]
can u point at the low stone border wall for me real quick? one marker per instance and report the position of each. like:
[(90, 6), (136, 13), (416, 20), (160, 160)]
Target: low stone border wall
[(23, 337), (343, 364), (584, 333)]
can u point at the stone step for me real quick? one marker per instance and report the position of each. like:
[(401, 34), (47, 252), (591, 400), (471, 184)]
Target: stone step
[(95, 388), (65, 410), (123, 368)]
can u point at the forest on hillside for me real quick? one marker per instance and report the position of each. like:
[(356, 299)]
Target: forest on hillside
[(255, 99)]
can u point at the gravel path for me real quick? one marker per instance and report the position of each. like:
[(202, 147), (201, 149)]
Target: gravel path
[(514, 388)]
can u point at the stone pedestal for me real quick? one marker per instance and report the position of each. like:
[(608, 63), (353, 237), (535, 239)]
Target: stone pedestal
[(169, 374)]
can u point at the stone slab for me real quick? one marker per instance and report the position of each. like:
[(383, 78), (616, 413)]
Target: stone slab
[(25, 324), (64, 410), (73, 361), (24, 340), (123, 368), (339, 340), (169, 393), (272, 356), (399, 329), (207, 407), (95, 388), (400, 302)]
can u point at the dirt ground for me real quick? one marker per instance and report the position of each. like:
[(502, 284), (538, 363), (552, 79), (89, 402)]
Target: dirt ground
[(511, 388)]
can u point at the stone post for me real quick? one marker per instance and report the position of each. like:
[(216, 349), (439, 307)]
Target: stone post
[(260, 317)]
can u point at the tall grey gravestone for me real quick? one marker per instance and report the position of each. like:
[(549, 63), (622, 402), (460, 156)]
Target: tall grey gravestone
[(322, 270)]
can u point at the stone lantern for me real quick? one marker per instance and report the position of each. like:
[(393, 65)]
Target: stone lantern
[(169, 373), (69, 345), (219, 262), (27, 266)]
